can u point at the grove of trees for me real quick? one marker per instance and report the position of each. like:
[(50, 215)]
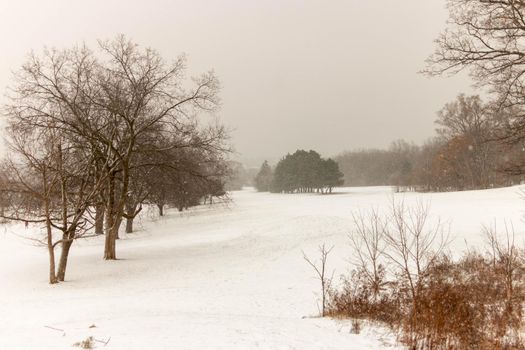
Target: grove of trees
[(94, 135), (300, 172)]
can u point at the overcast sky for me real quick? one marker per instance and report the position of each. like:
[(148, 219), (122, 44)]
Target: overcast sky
[(328, 75)]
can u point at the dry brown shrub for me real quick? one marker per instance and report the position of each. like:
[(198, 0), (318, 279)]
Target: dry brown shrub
[(432, 301)]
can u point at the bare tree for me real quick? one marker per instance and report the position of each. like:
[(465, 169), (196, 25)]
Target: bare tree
[(145, 97), (30, 188), (46, 169), (414, 244), (324, 279), (469, 121), (368, 244), (484, 36)]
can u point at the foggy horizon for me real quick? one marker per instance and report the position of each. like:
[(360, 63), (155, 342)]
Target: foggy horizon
[(294, 75), (137, 210)]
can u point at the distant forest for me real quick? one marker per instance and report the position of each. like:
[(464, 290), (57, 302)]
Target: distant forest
[(474, 148), (467, 153)]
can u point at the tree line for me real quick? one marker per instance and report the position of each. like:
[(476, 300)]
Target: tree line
[(467, 153), (484, 38), (95, 135), (300, 172)]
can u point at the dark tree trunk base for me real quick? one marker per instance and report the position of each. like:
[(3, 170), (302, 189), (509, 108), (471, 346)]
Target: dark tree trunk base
[(62, 265)]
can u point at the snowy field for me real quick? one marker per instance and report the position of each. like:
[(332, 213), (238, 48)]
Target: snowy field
[(220, 277)]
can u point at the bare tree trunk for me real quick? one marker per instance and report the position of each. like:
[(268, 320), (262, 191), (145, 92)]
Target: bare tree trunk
[(129, 225), (161, 209), (69, 232), (99, 218), (130, 216), (118, 222), (51, 251), (66, 245), (109, 247), (50, 246), (109, 244), (115, 212)]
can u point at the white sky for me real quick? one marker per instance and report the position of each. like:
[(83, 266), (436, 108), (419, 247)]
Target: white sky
[(326, 75)]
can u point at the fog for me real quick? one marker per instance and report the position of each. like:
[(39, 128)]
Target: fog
[(320, 75)]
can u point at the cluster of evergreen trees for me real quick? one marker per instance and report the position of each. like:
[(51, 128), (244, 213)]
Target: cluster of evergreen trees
[(300, 172)]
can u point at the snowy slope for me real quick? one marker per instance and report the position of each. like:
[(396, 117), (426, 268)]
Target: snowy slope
[(221, 277)]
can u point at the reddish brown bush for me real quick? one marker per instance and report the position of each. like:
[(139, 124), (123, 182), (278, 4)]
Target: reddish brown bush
[(461, 305), (432, 301), (357, 299)]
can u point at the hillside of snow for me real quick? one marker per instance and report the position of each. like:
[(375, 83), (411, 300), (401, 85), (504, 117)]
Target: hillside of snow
[(216, 277)]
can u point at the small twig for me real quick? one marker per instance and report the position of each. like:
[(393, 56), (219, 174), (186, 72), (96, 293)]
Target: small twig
[(56, 329), (102, 341)]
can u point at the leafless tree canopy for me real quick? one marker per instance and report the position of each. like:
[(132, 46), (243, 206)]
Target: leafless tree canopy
[(486, 37), (94, 126)]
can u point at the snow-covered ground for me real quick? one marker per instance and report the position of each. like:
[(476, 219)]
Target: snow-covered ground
[(220, 277)]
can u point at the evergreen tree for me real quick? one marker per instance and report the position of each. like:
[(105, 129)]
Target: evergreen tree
[(330, 175), (263, 179)]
